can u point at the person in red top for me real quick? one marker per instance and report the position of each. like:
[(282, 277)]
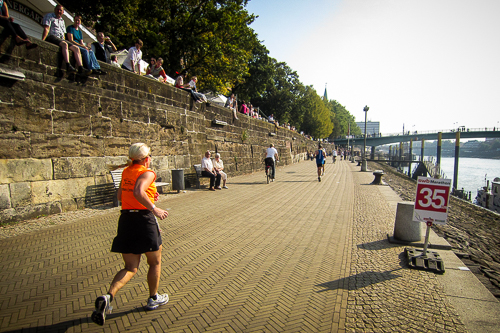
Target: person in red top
[(156, 71), (243, 108), (138, 231)]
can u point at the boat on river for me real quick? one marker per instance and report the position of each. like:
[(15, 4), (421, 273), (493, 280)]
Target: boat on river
[(489, 197)]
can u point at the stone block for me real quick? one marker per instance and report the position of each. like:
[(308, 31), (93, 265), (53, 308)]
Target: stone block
[(5, 202), (78, 167), (15, 145), (21, 194), (111, 107), (171, 162), (51, 145), (101, 126), (71, 123), (91, 146), (135, 112), (51, 55), (159, 162), (57, 190), (27, 109), (80, 203), (166, 137), (34, 76), (67, 205), (9, 215), (31, 68), (116, 146), (22, 170), (102, 179), (74, 100), (164, 176)]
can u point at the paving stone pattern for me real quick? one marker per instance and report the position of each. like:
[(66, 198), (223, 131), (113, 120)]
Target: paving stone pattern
[(296, 255)]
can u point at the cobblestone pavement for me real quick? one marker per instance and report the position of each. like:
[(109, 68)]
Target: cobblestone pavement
[(296, 255)]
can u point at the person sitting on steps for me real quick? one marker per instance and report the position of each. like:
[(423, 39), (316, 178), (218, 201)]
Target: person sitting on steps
[(53, 32)]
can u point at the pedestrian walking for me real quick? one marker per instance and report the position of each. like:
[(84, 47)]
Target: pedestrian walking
[(138, 231), (320, 158)]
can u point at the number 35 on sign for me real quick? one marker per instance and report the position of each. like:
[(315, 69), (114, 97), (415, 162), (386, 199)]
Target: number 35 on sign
[(431, 202)]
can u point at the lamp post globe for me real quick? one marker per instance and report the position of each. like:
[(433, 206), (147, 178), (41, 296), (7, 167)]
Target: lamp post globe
[(363, 161)]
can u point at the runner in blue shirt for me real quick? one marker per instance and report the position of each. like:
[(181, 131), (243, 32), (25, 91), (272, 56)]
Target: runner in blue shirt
[(320, 159)]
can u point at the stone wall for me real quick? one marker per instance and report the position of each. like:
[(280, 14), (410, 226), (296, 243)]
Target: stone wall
[(58, 132)]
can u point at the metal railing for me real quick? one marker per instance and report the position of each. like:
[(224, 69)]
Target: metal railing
[(459, 129)]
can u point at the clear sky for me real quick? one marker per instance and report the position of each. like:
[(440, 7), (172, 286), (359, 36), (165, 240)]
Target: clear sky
[(424, 64)]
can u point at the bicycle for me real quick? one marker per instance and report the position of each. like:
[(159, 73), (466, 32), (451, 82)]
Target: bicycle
[(268, 172)]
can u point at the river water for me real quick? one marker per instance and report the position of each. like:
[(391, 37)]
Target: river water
[(471, 171)]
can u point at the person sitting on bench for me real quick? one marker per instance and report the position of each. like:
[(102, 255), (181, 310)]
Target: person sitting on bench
[(208, 170)]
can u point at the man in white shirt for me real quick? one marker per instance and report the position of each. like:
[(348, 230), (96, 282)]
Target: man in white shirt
[(54, 31), (134, 57), (271, 156), (208, 170)]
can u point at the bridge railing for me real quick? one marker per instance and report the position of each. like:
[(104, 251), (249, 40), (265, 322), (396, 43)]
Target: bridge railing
[(458, 129)]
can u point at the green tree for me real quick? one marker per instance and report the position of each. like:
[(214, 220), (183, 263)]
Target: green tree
[(341, 119), (316, 121), (259, 78), (208, 38), (279, 91)]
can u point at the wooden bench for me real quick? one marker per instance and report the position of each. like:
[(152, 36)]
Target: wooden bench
[(116, 175), (197, 168)]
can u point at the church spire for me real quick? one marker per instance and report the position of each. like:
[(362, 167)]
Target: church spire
[(325, 95)]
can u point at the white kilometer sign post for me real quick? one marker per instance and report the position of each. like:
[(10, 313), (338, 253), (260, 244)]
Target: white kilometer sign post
[(431, 203)]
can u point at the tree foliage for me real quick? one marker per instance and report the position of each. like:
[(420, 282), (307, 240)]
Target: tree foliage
[(316, 121), (277, 94), (209, 38), (341, 118), (213, 40)]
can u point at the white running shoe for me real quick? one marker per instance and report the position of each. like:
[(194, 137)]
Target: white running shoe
[(102, 307), (160, 300)]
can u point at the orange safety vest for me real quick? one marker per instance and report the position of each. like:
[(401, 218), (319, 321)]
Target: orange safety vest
[(129, 177)]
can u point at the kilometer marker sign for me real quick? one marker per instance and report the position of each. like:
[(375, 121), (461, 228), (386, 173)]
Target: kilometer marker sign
[(431, 202)]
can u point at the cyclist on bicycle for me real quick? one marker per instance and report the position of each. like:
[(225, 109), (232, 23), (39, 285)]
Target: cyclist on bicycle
[(271, 155)]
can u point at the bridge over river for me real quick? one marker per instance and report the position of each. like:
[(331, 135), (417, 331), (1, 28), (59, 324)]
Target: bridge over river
[(433, 171), (473, 133)]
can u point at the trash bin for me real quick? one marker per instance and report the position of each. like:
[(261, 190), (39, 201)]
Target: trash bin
[(178, 180)]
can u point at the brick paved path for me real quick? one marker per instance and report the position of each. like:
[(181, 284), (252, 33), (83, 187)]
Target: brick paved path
[(295, 255)]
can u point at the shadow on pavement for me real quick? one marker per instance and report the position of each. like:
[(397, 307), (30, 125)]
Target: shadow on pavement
[(377, 245), (358, 281), (66, 326), (364, 279)]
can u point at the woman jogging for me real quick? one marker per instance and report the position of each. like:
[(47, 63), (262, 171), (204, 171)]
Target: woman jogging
[(138, 231)]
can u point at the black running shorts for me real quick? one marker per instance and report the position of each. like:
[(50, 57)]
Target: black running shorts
[(138, 233)]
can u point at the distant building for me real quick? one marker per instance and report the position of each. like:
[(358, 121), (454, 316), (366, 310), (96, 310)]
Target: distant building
[(372, 127), (471, 144)]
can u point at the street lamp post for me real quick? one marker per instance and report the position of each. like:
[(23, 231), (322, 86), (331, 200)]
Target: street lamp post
[(363, 161)]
